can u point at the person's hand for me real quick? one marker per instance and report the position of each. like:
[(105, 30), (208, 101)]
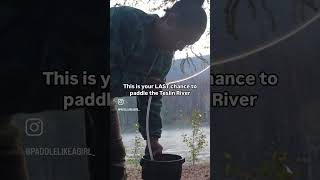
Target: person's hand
[(155, 146)]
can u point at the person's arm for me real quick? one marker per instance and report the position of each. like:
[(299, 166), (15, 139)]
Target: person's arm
[(125, 37), (155, 120), (163, 65)]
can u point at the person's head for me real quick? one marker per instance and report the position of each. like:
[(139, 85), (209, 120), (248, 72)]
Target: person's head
[(182, 25)]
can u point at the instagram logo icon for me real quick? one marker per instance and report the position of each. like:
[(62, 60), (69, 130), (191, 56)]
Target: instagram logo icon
[(33, 127)]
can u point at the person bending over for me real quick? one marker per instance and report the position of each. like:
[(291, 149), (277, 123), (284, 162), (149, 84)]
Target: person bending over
[(141, 50)]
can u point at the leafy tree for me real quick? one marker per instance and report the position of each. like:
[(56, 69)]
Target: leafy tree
[(138, 148), (196, 142)]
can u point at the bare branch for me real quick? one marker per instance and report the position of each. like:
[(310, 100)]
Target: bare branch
[(311, 4), (200, 56), (270, 13), (253, 9), (233, 18), (227, 15)]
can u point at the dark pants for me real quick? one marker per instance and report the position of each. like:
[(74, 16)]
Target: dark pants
[(12, 162), (115, 149)]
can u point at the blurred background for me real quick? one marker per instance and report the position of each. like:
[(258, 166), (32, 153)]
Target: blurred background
[(278, 138), (67, 129)]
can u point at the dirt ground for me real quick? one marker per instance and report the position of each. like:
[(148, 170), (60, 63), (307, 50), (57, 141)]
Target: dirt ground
[(189, 172)]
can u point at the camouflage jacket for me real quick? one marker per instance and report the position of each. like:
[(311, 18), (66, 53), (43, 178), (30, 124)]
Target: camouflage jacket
[(133, 60)]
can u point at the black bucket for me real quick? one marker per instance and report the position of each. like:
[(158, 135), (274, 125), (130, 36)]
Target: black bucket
[(164, 167)]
